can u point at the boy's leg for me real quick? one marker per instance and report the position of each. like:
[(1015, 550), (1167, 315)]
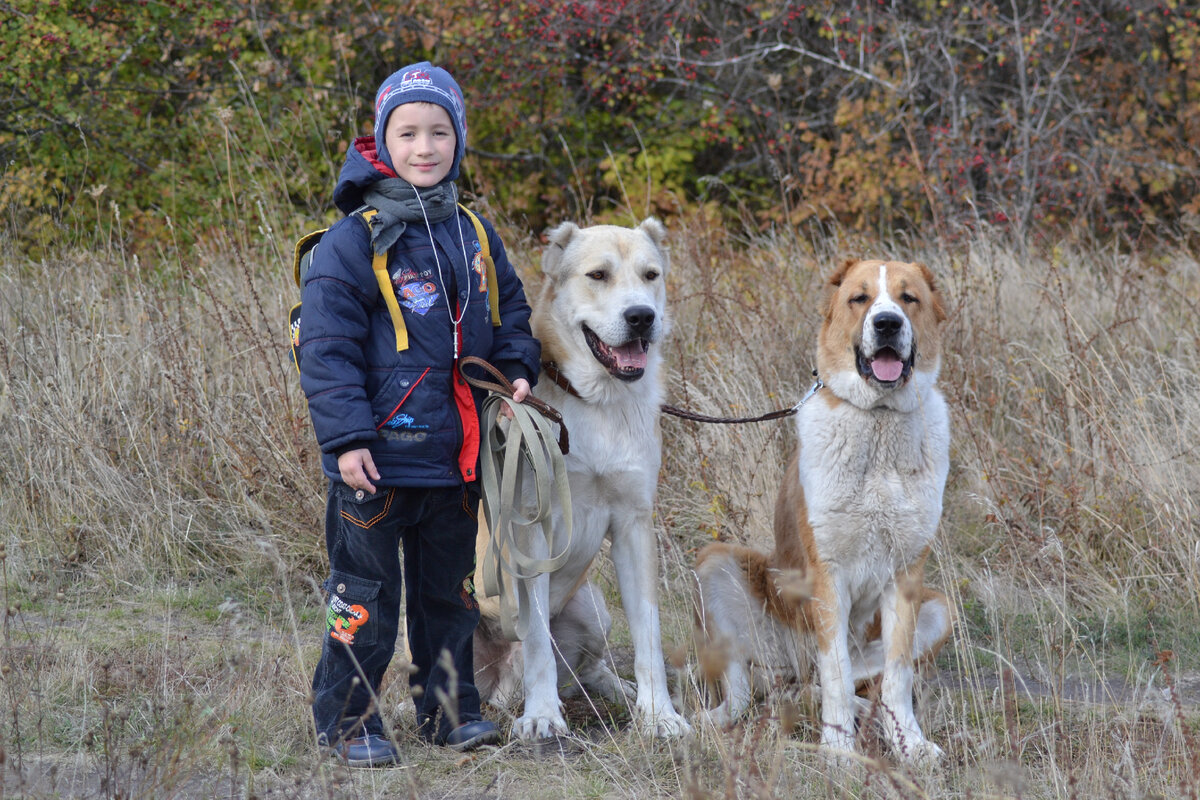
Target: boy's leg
[(439, 566), (362, 611)]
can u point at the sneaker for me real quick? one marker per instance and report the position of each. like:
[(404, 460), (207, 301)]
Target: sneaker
[(471, 735), (368, 751)]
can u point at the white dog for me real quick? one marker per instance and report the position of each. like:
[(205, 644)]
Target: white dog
[(854, 522), (601, 317)]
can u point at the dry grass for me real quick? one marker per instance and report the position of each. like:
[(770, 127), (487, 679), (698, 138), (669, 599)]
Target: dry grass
[(160, 511)]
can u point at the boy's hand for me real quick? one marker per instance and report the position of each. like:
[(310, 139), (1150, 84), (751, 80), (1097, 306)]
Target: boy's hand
[(358, 469), (520, 392)]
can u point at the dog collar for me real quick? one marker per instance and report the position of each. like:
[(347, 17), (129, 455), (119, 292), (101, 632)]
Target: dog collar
[(553, 373)]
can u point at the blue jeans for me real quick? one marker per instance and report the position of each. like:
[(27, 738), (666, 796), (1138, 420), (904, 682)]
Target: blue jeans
[(363, 537)]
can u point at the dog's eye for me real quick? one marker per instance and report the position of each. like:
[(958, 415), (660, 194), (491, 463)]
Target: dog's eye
[(651, 274), (909, 299), (859, 298), (598, 275)]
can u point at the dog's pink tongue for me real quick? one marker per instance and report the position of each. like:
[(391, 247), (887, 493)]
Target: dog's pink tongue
[(631, 355), (886, 367)]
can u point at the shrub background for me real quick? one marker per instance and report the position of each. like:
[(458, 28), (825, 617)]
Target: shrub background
[(871, 114)]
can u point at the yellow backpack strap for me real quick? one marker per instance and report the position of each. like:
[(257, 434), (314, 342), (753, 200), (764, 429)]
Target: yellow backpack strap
[(379, 267), (493, 288), (303, 248)]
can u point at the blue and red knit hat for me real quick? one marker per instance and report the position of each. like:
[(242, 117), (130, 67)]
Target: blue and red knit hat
[(421, 83)]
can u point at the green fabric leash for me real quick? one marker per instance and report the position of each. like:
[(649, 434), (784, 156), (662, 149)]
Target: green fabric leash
[(521, 547)]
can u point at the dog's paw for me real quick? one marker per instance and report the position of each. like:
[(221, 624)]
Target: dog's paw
[(599, 680), (838, 742), (840, 754), (530, 727), (625, 692), (718, 717), (923, 753), (666, 723), (910, 743)]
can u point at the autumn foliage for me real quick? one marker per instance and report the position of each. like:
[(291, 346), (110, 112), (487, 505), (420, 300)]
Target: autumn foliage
[(922, 116)]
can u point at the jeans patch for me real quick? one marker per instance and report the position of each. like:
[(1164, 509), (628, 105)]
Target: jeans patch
[(351, 603)]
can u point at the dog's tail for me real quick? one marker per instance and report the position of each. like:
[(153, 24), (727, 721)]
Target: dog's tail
[(784, 589)]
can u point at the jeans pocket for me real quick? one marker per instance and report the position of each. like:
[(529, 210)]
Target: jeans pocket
[(353, 603), (363, 509)]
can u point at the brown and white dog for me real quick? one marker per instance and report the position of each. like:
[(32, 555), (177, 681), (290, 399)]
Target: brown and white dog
[(854, 521), (601, 317)]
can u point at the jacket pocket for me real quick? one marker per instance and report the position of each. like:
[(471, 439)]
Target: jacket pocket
[(416, 419), (351, 614), (395, 394)]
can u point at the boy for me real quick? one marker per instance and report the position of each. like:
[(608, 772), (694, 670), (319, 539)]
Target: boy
[(397, 424)]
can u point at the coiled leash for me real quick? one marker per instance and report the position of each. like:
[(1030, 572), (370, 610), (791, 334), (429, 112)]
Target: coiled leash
[(508, 458)]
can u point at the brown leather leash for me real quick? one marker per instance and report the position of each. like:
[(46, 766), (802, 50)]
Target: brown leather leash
[(523, 481), (502, 386), (555, 374)]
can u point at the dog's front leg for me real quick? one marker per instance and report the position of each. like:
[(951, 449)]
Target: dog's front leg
[(901, 605), (831, 615), (543, 716), (635, 556)]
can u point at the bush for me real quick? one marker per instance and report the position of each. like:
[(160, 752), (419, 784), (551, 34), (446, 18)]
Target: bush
[(920, 117)]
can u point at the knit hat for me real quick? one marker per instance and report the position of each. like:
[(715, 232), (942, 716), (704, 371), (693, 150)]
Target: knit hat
[(421, 83)]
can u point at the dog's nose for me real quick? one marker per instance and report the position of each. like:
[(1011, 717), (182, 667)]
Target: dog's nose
[(640, 319), (887, 323)]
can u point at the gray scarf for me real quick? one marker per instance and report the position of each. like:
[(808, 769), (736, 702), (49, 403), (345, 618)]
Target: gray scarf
[(398, 204)]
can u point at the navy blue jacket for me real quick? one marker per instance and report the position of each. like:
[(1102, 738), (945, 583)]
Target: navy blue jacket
[(411, 408)]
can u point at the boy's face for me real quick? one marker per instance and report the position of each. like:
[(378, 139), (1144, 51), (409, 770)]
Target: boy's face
[(420, 139)]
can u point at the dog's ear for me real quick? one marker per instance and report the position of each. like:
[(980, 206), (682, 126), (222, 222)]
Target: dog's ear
[(939, 309), (556, 245), (658, 234), (834, 283), (839, 274), (655, 230)]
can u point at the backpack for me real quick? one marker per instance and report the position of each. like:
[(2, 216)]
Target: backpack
[(307, 246)]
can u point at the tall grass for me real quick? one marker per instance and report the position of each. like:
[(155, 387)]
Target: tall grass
[(161, 503)]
